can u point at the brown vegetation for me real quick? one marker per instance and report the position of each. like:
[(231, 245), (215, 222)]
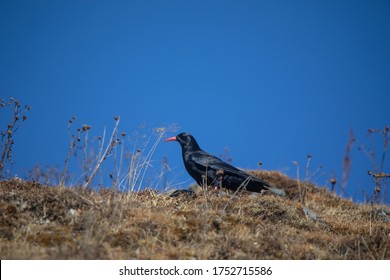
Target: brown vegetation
[(40, 222)]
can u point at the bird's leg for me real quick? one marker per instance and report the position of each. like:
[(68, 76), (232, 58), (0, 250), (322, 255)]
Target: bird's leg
[(216, 185), (206, 186)]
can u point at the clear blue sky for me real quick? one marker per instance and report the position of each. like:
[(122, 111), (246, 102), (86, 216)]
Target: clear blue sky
[(272, 80)]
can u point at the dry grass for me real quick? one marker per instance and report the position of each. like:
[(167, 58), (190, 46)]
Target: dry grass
[(40, 222)]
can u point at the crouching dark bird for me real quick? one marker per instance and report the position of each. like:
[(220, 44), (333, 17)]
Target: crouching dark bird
[(211, 171)]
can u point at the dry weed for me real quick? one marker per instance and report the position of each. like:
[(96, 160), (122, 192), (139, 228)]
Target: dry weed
[(40, 222)]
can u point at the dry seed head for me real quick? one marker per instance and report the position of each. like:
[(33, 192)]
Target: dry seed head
[(114, 142), (24, 118), (385, 130), (86, 127), (123, 134)]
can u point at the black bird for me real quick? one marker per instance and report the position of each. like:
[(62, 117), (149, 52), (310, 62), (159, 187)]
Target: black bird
[(212, 171)]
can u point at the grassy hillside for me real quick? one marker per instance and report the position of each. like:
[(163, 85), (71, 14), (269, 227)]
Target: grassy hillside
[(40, 222)]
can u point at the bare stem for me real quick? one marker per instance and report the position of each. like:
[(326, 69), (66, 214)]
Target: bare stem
[(106, 153)]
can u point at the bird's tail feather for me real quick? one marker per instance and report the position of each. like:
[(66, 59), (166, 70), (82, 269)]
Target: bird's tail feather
[(270, 188), (278, 192)]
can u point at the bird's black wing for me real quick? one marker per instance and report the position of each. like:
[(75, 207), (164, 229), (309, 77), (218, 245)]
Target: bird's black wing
[(234, 178), (204, 161)]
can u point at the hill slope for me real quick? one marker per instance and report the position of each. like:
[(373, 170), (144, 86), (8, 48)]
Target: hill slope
[(40, 222)]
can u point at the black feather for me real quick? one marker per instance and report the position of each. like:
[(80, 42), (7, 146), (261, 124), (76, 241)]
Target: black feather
[(211, 170)]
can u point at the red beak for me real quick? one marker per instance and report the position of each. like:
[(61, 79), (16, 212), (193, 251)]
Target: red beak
[(170, 139)]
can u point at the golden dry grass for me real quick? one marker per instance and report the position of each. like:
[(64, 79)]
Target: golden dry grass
[(40, 222)]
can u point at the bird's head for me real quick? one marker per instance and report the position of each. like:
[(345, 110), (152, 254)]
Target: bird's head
[(186, 141)]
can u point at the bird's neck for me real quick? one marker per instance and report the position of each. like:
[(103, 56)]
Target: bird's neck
[(191, 147)]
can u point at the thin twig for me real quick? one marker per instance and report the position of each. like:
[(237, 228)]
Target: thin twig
[(106, 153), (82, 197), (241, 187), (368, 249)]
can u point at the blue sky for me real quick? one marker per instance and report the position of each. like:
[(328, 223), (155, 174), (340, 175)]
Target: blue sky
[(272, 80)]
